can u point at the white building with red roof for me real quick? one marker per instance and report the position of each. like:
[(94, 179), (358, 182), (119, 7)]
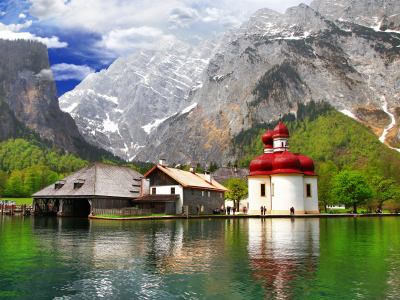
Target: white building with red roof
[(280, 180)]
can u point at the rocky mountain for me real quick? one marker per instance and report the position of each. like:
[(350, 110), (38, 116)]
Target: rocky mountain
[(343, 52), (28, 95), (118, 108)]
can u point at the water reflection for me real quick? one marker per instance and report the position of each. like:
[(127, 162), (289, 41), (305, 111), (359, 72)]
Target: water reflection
[(72, 258), (284, 254)]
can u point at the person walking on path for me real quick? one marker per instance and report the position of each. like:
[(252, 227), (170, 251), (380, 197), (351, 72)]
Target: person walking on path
[(198, 209), (264, 210), (330, 210), (234, 209), (228, 210)]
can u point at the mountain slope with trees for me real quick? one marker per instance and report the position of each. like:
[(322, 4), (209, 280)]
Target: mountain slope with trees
[(335, 142)]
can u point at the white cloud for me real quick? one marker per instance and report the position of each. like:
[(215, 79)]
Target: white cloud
[(69, 71), (133, 38), (2, 13), (52, 42), (196, 37), (182, 16), (48, 8), (45, 73), (15, 27), (114, 20), (22, 16), (213, 14)]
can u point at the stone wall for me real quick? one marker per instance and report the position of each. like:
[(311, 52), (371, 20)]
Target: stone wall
[(194, 197)]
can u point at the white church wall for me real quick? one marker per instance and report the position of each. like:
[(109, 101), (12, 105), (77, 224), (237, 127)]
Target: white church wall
[(311, 203), (288, 192), (281, 144), (256, 200)]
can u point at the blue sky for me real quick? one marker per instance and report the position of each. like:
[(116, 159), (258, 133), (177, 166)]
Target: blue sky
[(85, 36)]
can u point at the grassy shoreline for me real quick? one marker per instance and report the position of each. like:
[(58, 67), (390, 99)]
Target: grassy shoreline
[(19, 201)]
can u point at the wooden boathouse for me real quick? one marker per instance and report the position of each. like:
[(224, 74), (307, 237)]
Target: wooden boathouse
[(92, 190)]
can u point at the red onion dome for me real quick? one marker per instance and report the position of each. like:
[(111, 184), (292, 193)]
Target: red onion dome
[(280, 131), (262, 165), (286, 163), (267, 139), (307, 165)]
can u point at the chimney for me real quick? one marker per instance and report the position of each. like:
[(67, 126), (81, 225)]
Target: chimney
[(207, 177), (145, 187), (192, 169), (162, 162)]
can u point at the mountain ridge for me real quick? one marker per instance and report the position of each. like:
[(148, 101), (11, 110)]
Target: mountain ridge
[(306, 54)]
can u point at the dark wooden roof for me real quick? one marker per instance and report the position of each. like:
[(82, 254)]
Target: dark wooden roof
[(157, 198), (99, 180), (224, 173)]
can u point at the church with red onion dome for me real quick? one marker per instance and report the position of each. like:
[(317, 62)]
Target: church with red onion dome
[(280, 180)]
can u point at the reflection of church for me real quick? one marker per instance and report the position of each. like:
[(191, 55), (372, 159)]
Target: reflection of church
[(280, 180), (284, 255)]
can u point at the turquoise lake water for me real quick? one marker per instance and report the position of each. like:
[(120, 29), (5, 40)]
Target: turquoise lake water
[(77, 258)]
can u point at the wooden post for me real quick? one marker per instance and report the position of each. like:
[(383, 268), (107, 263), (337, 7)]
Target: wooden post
[(12, 209), (1, 208), (24, 209)]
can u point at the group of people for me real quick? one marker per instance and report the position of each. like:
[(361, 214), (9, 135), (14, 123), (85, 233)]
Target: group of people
[(263, 210)]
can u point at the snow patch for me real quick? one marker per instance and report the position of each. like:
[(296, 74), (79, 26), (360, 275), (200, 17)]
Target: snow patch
[(109, 126), (154, 124), (69, 109), (109, 98), (189, 108), (349, 114)]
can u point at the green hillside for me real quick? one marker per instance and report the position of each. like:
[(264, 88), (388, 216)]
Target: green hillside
[(333, 140)]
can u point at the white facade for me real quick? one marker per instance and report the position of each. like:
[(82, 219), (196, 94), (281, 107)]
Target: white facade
[(281, 144), (166, 189), (288, 192), (311, 201), (255, 194)]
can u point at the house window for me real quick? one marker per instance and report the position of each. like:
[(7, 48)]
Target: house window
[(153, 191), (172, 191), (273, 189), (220, 195), (308, 190), (262, 189), (209, 194), (202, 193)]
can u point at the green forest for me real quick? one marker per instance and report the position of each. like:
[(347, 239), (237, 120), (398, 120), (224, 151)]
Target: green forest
[(28, 166), (334, 141)]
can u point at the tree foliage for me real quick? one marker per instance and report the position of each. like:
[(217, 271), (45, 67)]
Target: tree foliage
[(352, 188), (238, 190), (385, 189)]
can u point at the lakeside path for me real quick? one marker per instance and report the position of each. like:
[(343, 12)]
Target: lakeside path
[(249, 216)]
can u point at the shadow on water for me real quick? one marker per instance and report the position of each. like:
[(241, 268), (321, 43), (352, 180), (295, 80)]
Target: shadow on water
[(199, 259)]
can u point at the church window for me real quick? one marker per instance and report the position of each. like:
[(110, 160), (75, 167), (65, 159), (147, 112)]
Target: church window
[(262, 189), (273, 189), (153, 191), (202, 193), (172, 190), (209, 194), (308, 190)]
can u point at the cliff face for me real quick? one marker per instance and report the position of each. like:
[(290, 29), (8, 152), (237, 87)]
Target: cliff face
[(117, 108), (263, 69), (31, 93)]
